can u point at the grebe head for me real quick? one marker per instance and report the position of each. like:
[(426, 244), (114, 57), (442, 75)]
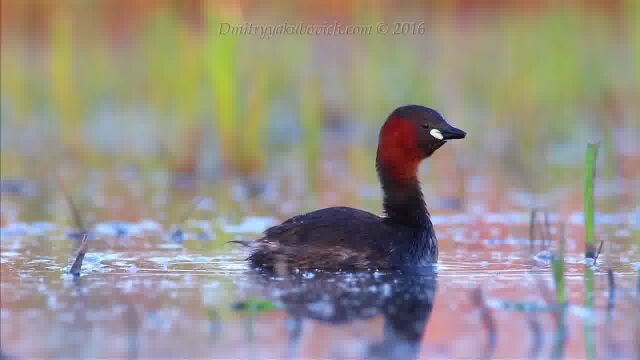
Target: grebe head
[(411, 134)]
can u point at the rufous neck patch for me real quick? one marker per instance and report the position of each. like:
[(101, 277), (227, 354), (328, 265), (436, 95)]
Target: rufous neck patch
[(398, 152)]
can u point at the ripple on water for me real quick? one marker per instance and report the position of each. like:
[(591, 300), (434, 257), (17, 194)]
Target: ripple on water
[(250, 224), (176, 287)]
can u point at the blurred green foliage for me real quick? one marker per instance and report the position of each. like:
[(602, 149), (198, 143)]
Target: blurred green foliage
[(155, 81)]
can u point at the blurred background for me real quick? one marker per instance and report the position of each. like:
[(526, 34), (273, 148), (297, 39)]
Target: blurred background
[(109, 94)]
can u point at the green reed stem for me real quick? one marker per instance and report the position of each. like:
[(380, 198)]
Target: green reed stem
[(557, 268), (590, 252), (589, 175), (559, 340), (311, 118), (589, 330)]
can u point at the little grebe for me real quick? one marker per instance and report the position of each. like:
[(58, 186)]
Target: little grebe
[(343, 238)]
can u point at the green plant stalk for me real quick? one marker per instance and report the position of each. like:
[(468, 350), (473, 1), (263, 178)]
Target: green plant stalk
[(61, 79), (557, 268), (589, 330), (589, 175), (559, 335), (253, 153), (311, 123), (222, 67)]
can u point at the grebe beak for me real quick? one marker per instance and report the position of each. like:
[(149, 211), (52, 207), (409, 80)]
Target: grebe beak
[(450, 133)]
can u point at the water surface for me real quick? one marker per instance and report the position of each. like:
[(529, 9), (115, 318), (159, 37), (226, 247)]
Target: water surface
[(142, 294)]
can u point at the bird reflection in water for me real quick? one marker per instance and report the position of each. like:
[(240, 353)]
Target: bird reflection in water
[(403, 299)]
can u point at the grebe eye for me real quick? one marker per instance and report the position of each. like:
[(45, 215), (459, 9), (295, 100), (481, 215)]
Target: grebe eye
[(425, 126), (436, 134)]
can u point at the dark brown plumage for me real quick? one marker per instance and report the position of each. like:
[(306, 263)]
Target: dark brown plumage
[(348, 239)]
